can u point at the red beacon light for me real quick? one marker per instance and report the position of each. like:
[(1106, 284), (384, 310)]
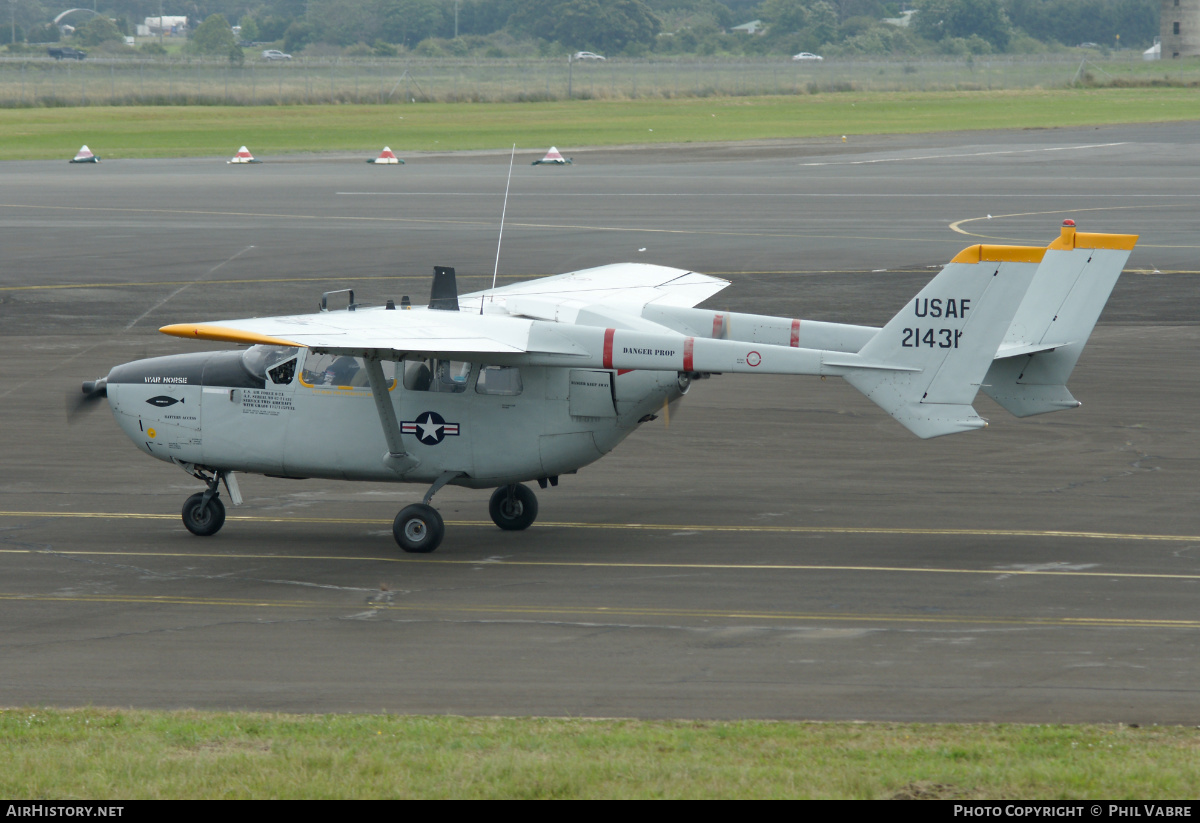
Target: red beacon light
[(1069, 222)]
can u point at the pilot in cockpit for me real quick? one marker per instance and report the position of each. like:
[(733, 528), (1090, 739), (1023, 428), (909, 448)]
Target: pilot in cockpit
[(341, 372)]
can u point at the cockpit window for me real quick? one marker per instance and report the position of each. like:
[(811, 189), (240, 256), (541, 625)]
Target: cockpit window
[(257, 360), (282, 374), (340, 371)]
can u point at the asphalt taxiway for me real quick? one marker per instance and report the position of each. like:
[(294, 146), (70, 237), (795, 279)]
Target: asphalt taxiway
[(782, 550)]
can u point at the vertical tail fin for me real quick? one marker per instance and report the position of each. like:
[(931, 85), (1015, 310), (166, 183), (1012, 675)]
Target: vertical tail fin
[(925, 366), (1054, 321)]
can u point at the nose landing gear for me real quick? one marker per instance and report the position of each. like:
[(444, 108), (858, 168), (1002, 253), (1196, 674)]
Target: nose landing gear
[(203, 512), (203, 517)]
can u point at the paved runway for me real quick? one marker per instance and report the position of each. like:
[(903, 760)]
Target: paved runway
[(783, 550)]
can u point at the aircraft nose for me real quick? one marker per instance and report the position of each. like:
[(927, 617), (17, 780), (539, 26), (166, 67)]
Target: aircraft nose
[(157, 403)]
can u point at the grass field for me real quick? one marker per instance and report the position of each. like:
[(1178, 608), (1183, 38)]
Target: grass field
[(100, 754), (204, 131)]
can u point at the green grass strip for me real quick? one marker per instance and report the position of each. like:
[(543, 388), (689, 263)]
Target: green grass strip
[(207, 131), (106, 754)]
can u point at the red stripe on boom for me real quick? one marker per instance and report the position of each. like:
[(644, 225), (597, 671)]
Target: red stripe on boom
[(688, 343), (608, 347), (717, 323), (795, 334)]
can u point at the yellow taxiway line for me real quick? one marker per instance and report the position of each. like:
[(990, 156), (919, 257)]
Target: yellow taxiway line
[(651, 527), (602, 564), (610, 612), (672, 527)]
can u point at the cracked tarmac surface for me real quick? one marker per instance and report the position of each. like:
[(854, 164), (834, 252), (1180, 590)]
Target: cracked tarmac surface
[(783, 550)]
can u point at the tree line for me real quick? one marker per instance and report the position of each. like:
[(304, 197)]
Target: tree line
[(622, 27)]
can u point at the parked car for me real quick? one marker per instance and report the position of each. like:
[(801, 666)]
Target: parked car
[(804, 55), (275, 54), (63, 52), (586, 55)]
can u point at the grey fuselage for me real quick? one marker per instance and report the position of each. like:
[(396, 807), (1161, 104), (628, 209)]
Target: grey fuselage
[(213, 410)]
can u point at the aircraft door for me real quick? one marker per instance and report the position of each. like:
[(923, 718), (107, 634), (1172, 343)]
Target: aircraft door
[(435, 414), (248, 401), (335, 431), (507, 416)]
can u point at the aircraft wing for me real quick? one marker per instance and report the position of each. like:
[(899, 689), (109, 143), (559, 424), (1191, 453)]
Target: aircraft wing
[(398, 332), (627, 286), (603, 295)]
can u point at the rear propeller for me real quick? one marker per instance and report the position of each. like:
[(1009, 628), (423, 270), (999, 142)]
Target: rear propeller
[(92, 391), (669, 410)]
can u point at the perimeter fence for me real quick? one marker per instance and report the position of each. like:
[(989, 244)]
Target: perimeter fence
[(126, 81)]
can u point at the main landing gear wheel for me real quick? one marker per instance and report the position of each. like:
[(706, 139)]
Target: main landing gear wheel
[(419, 528), (513, 508), (203, 519)]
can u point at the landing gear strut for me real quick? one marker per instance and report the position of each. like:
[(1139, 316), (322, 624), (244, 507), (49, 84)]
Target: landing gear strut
[(419, 528)]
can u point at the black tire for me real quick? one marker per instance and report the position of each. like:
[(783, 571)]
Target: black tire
[(515, 514), (418, 528), (202, 520)]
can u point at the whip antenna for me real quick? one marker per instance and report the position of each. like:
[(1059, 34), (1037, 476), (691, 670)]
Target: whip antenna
[(503, 211)]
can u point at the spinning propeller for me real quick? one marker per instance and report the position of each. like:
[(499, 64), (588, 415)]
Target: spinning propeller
[(93, 390), (669, 410)]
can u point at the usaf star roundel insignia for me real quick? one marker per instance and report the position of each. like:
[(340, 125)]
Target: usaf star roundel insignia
[(430, 428)]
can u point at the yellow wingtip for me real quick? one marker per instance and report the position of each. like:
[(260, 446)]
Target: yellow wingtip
[(198, 331)]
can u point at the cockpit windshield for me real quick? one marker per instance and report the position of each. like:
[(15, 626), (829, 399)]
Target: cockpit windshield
[(258, 359)]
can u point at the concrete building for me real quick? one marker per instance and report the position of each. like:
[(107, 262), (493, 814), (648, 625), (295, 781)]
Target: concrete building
[(1180, 26), (168, 25)]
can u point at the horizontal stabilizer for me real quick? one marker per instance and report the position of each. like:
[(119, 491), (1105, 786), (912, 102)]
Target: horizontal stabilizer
[(1003, 385), (927, 420), (1023, 400), (1016, 349)]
